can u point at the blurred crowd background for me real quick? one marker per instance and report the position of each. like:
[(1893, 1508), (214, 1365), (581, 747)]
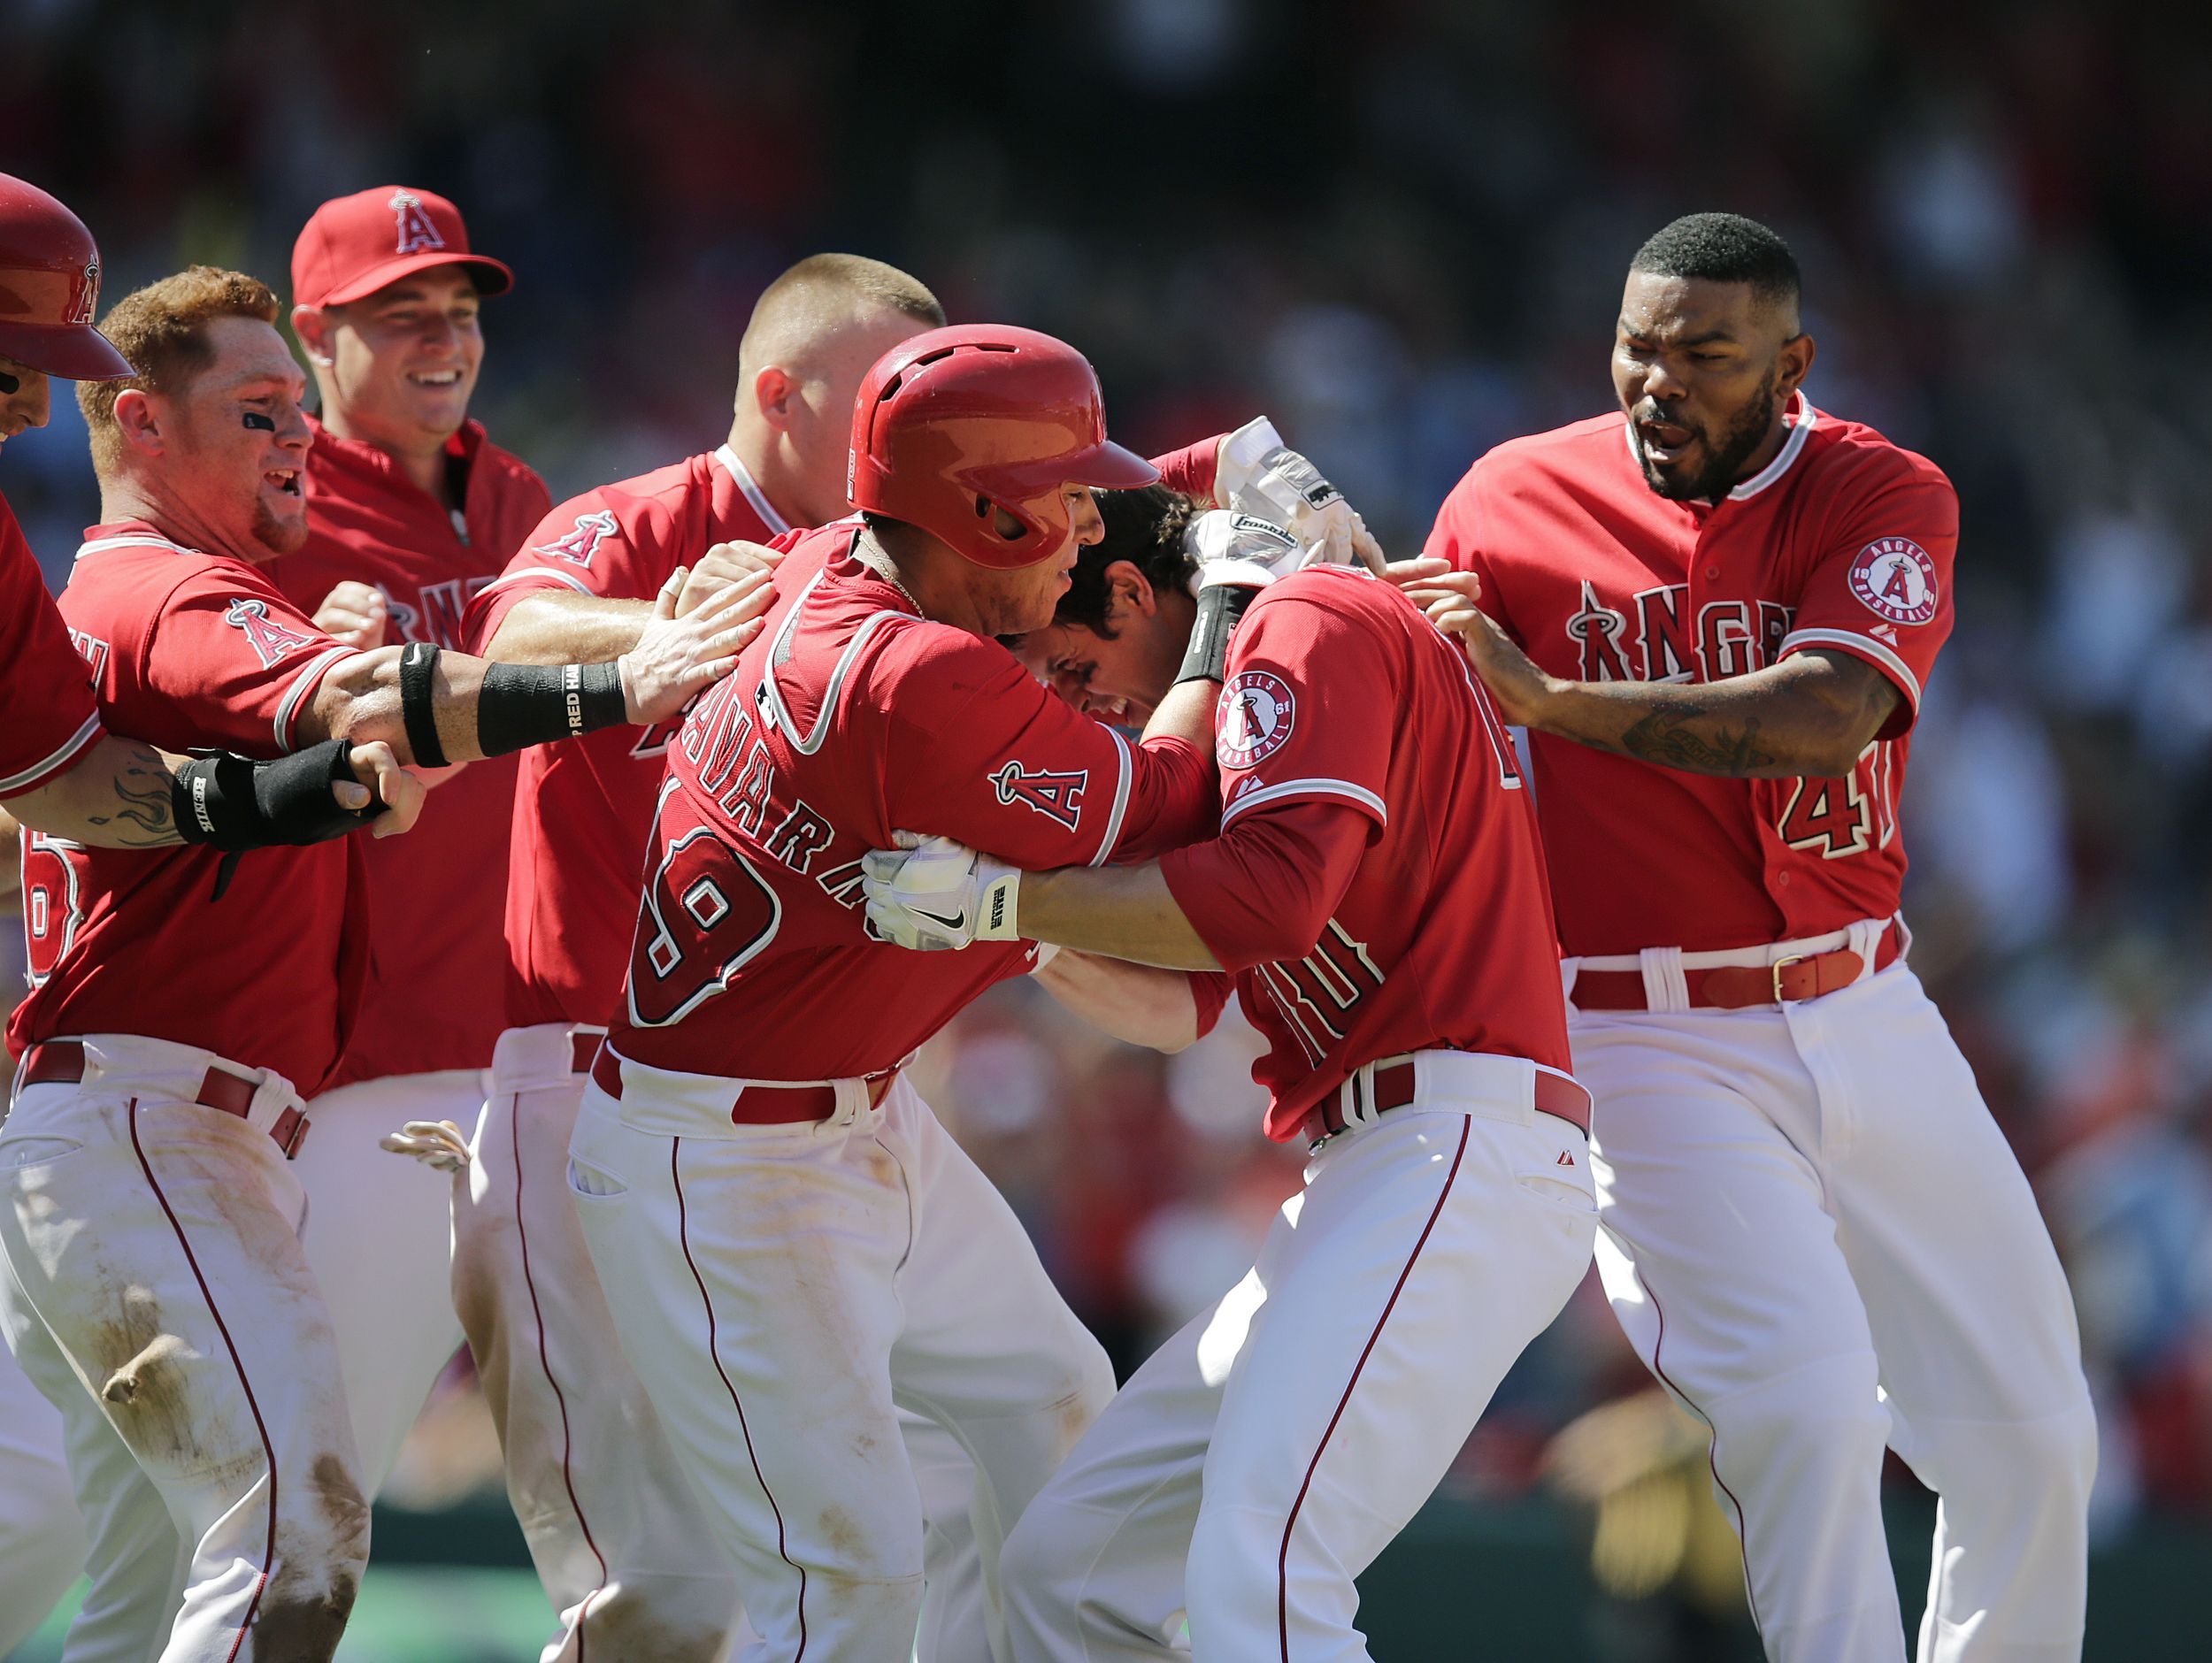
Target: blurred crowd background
[(1398, 227)]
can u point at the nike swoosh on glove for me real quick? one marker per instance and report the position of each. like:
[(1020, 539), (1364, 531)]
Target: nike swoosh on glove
[(933, 894)]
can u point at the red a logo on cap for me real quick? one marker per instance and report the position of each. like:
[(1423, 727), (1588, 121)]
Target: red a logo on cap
[(415, 229)]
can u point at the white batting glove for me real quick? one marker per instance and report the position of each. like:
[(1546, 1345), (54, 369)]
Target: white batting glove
[(1260, 475), (435, 1142), (1238, 549), (932, 894)]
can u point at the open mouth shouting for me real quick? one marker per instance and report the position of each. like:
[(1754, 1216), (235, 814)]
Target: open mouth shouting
[(286, 480)]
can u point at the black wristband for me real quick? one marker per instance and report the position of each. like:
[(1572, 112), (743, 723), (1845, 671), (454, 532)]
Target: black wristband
[(1207, 657), (232, 804), (417, 665), (521, 705)]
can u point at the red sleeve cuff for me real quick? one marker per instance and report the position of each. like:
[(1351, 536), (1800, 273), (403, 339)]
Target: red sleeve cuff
[(1191, 470), (1209, 992)]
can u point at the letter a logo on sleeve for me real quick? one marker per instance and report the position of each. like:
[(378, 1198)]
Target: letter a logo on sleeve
[(1894, 578), (1056, 796), (578, 546), (1253, 719), (272, 638)]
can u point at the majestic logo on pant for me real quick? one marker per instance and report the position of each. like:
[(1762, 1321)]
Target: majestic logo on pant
[(1056, 796), (272, 638), (415, 230)]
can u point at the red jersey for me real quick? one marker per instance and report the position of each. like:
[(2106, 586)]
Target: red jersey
[(193, 650), (1844, 541), (1353, 738), (435, 896), (848, 719), (48, 715), (582, 806)]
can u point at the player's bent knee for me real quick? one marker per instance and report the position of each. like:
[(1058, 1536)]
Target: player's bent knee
[(1042, 1564), (1823, 1423), (1234, 1578)]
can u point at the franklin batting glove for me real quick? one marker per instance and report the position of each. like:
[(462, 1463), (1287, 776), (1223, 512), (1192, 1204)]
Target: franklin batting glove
[(937, 894), (1261, 475)]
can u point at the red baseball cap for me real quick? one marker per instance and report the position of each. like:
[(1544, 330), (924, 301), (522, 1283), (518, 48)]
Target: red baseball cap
[(354, 245)]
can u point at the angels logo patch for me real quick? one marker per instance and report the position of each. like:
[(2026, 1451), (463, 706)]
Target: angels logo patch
[(272, 638), (1056, 796), (1894, 578), (1253, 718), (579, 545)]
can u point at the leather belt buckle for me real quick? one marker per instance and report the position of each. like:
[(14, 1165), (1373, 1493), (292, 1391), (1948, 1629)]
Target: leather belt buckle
[(1778, 966)]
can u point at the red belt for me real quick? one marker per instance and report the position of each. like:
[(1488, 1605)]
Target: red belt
[(1739, 986), (1394, 1088), (757, 1105), (62, 1062)]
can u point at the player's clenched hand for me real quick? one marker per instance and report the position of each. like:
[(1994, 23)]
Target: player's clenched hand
[(354, 614), (932, 893), (381, 779), (677, 657), (1450, 598), (719, 567), (435, 1142)]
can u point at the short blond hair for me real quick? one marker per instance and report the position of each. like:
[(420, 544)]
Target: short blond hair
[(823, 291), (162, 329)]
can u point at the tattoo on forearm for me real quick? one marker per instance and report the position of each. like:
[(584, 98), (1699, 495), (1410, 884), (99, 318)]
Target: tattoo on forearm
[(143, 788), (1668, 737)]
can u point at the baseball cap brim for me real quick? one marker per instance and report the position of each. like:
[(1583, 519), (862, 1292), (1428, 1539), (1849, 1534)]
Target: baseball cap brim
[(74, 352), (490, 276)]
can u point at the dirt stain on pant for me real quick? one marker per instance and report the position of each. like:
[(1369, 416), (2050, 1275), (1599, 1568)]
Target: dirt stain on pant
[(322, 1548)]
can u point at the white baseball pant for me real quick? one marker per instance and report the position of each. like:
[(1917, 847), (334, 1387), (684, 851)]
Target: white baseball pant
[(42, 1534), (1264, 1455), (160, 1298), (783, 1291), (1818, 1241), (379, 1237), (620, 1539)]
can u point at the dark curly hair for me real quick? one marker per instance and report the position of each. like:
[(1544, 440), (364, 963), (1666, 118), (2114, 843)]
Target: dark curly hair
[(1144, 527)]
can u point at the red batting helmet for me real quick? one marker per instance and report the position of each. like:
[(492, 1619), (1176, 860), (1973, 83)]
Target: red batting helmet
[(955, 422), (50, 288)]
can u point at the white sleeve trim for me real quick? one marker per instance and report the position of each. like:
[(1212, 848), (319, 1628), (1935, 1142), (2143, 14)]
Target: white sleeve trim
[(301, 685), (57, 761), (1857, 643), (1276, 793), (1121, 798), (506, 578)]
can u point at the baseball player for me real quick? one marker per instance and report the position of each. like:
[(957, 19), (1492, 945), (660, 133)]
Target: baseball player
[(410, 509), (1377, 892), (62, 777), (620, 1540), (186, 1000), (1715, 618), (790, 1244)]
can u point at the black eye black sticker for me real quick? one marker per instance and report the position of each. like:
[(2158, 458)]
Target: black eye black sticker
[(260, 423)]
